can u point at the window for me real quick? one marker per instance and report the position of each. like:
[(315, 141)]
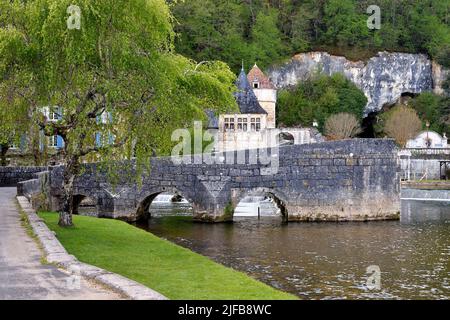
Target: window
[(256, 85), (258, 124), (239, 125), (53, 141), (242, 124), (229, 124), (255, 124), (53, 116)]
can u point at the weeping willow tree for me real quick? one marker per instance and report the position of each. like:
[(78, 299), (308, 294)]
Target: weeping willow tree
[(14, 117), (108, 69), (14, 120)]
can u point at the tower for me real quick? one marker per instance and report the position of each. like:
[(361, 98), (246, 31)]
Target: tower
[(265, 92)]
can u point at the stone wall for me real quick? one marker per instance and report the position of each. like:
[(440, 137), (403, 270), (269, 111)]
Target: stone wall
[(36, 190), (10, 176), (351, 180), (425, 194)]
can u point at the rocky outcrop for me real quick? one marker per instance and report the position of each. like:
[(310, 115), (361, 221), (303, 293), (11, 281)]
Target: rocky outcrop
[(383, 78), (440, 75)]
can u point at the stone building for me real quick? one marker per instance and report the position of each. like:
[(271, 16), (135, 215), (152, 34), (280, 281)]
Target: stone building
[(34, 147), (255, 124), (426, 157)]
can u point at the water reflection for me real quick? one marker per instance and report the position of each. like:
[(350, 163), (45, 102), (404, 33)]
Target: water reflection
[(420, 211), (329, 260)]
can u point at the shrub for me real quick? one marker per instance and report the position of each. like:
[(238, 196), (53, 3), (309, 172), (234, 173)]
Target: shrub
[(342, 126)]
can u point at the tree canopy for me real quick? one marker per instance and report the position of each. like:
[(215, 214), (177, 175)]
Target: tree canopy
[(270, 31), (434, 109), (317, 99), (117, 77)]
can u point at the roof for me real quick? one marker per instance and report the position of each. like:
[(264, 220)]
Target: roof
[(256, 75), (213, 121), (430, 133), (245, 97)]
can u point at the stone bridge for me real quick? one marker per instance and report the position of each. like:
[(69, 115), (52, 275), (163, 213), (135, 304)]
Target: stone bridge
[(350, 180)]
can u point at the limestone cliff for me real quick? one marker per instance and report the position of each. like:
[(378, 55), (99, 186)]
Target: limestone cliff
[(382, 78)]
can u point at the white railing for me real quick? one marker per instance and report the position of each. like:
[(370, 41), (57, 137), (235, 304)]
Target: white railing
[(431, 151)]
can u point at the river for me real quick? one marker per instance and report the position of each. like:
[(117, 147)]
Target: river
[(325, 260)]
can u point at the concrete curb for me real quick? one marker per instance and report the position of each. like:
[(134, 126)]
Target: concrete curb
[(56, 254)]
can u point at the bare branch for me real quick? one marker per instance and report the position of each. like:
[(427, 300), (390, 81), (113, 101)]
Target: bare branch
[(342, 126)]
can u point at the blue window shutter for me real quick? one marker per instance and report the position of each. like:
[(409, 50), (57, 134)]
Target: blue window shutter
[(60, 113), (98, 139), (59, 142)]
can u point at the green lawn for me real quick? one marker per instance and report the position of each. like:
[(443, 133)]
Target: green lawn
[(176, 272)]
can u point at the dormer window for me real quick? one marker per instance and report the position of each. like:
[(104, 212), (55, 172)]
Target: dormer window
[(255, 85)]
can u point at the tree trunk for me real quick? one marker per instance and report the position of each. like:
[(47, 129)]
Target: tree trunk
[(70, 172), (3, 151)]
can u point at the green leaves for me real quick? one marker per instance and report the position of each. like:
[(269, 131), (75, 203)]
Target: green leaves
[(319, 98), (12, 48), (267, 45), (434, 109), (266, 32), (120, 63)]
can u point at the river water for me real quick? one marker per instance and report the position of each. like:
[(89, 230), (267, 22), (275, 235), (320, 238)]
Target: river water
[(325, 260)]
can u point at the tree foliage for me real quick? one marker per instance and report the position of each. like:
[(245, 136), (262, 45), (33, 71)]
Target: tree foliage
[(317, 99), (232, 30), (15, 122), (117, 77), (434, 109)]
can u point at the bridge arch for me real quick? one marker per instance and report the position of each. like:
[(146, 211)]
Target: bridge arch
[(87, 204), (277, 197), (146, 198)]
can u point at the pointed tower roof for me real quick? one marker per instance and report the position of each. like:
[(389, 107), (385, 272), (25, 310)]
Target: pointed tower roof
[(245, 97), (256, 75), (213, 121)]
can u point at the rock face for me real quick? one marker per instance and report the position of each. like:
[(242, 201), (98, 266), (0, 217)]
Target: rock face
[(382, 78)]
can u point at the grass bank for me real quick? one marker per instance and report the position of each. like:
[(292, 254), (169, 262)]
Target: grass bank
[(176, 272)]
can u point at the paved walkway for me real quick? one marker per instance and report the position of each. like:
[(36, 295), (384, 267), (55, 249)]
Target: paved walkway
[(22, 275)]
